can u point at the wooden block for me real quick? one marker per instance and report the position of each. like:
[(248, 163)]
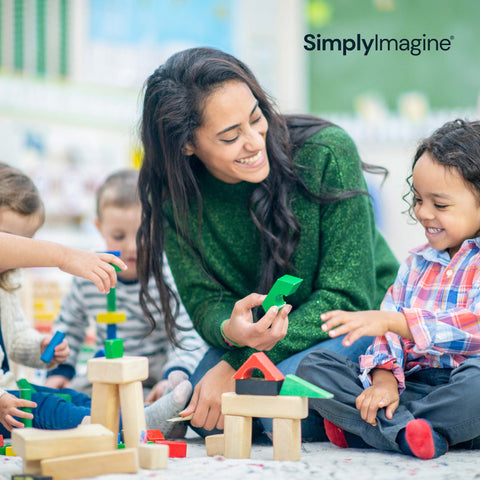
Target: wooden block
[(287, 439), (176, 448), (106, 408), (293, 385), (215, 444), (91, 464), (153, 435), (153, 456), (9, 451), (260, 361), (114, 348), (258, 386), (37, 444), (238, 436), (133, 413), (111, 317), (117, 370), (264, 406), (32, 467)]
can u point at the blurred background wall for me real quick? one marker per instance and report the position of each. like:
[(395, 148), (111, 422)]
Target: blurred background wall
[(71, 76)]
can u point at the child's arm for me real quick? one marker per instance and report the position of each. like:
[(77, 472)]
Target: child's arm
[(10, 408), (382, 394), (22, 252), (368, 323)]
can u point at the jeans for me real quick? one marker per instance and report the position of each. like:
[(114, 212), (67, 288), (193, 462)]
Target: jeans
[(53, 412), (263, 426)]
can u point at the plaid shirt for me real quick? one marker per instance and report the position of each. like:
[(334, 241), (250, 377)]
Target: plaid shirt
[(440, 298)]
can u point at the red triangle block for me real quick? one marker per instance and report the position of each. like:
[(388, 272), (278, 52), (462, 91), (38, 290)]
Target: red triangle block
[(263, 363)]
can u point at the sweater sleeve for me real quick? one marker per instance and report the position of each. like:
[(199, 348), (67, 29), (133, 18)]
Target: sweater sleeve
[(22, 341), (73, 321)]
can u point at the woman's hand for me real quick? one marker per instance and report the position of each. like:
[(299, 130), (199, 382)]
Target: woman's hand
[(206, 402), (62, 350), (10, 408), (262, 335), (364, 324)]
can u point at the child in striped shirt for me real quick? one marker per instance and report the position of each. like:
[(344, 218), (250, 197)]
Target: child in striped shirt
[(416, 389), (118, 219)]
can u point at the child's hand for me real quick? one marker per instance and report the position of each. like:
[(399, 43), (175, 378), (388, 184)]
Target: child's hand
[(157, 391), (364, 324), (57, 382), (92, 266), (10, 407), (382, 394), (62, 350)]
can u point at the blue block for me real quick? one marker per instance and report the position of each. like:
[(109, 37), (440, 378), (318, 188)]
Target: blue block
[(49, 352)]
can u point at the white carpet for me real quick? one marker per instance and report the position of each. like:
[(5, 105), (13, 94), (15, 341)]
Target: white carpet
[(319, 461)]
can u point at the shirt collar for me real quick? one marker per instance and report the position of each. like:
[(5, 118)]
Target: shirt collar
[(442, 256)]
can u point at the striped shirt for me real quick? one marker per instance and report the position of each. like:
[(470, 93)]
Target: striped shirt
[(440, 298), (84, 302)]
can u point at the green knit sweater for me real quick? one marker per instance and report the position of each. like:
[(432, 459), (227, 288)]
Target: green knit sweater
[(342, 258)]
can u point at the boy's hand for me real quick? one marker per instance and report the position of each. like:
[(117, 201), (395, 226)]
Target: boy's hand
[(62, 350), (92, 266), (364, 324), (57, 381), (10, 407), (382, 394)]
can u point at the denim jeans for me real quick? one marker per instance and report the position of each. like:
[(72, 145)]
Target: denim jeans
[(263, 426)]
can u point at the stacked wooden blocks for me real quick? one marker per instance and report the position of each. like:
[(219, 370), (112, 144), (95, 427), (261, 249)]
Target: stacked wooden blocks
[(254, 398)]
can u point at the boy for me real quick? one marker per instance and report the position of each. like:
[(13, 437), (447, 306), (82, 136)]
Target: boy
[(118, 218)]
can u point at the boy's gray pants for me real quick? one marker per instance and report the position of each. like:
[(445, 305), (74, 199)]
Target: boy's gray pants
[(447, 398)]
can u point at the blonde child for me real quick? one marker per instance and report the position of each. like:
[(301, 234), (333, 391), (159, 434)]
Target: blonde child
[(119, 212), (416, 389), (21, 214)]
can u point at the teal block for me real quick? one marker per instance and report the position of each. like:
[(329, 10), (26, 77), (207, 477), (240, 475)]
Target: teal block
[(297, 387), (284, 286)]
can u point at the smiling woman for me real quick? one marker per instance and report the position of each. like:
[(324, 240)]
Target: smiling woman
[(238, 195)]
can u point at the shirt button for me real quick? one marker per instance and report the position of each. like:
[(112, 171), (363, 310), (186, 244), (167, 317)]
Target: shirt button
[(449, 273)]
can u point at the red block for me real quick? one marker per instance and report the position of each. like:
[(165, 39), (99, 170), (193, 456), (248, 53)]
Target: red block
[(263, 363), (1, 441), (175, 449), (153, 435)]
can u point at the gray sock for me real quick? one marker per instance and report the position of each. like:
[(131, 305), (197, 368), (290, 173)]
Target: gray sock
[(169, 406), (175, 378)]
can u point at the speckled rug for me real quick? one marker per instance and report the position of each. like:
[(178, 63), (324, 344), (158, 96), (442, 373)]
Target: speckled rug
[(319, 461)]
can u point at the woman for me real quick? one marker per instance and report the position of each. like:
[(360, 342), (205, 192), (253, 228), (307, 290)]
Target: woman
[(238, 195)]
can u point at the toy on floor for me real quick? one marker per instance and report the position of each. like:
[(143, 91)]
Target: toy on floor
[(91, 450), (255, 399)]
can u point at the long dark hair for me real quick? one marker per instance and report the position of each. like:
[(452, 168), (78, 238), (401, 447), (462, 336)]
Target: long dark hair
[(456, 144), (174, 99)]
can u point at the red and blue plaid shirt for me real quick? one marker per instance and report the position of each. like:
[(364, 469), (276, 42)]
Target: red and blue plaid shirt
[(440, 298)]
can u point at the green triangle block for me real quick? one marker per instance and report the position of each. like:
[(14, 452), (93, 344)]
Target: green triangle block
[(297, 387)]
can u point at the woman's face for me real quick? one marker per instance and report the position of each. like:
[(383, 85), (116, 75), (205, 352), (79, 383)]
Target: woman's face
[(231, 141)]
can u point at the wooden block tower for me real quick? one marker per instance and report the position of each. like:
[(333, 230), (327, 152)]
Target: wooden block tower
[(117, 380), (284, 399)]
